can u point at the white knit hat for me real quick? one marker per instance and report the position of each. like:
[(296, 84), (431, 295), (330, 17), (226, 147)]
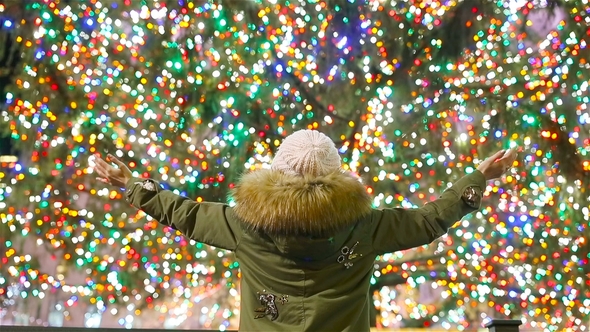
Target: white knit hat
[(307, 152)]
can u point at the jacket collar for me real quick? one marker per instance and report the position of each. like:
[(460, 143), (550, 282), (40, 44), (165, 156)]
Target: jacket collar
[(281, 204)]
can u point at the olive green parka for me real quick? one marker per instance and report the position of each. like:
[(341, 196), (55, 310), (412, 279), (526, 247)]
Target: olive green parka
[(306, 245)]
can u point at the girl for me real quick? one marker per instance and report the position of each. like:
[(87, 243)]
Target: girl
[(304, 232)]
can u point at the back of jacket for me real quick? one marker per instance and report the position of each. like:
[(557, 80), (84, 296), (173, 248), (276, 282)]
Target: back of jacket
[(304, 255), (303, 284)]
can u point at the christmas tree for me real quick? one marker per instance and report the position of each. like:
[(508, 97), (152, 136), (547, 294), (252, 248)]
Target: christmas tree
[(195, 93)]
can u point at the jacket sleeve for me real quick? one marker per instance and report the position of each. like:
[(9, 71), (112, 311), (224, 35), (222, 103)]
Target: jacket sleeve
[(206, 222), (399, 229)]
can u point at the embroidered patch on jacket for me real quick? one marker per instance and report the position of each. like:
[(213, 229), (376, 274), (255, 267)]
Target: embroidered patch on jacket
[(147, 185), (269, 305), (472, 197), (347, 254)]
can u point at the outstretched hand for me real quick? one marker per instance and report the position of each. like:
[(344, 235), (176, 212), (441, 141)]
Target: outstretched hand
[(496, 165), (117, 176)]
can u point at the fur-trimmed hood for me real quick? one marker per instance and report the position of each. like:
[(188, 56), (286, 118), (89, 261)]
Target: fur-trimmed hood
[(280, 204)]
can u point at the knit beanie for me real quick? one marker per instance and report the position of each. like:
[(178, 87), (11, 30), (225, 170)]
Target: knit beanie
[(307, 152)]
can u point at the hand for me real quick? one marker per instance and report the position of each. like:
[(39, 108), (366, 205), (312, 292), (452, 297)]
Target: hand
[(117, 176), (498, 164)]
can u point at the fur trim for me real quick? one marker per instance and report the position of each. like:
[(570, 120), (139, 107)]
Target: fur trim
[(281, 204)]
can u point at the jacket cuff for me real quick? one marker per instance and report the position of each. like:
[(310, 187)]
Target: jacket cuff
[(137, 185), (471, 189)]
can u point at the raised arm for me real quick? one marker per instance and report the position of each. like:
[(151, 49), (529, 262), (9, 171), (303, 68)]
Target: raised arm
[(209, 223), (400, 229)]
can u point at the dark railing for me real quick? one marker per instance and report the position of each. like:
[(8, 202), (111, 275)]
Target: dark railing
[(495, 325), (5, 328), (503, 325)]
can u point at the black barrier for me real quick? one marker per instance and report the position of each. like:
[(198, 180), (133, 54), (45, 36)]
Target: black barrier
[(7, 328), (504, 325), (495, 325)]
